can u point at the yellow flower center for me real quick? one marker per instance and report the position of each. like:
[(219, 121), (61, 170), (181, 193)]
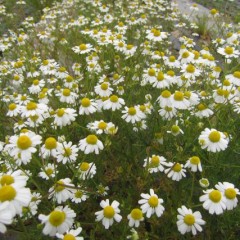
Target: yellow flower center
[(129, 46), (66, 92), (60, 112), (24, 142), (35, 82), (226, 82), (228, 50), (78, 194), (132, 111), (57, 217), (236, 74), (195, 160), (86, 102), (16, 78), (45, 62), (178, 96), (153, 201), (177, 167), (67, 152), (83, 47), (102, 125), (189, 219), (151, 72), (190, 68), (50, 143), (114, 98), (171, 73), (175, 129), (230, 193), (172, 59), (166, 94), (108, 212), (7, 193), (31, 106), (49, 171), (6, 180), (214, 11), (214, 136), (157, 33), (12, 106), (185, 55), (154, 161), (160, 76), (187, 94), (59, 186), (136, 214), (104, 86), (121, 44), (92, 139), (215, 196), (69, 237), (69, 78), (84, 166)]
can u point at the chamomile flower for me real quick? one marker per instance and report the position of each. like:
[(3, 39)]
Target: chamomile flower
[(90, 144), (71, 234), (86, 170), (189, 221), (194, 163), (6, 216), (48, 171), (151, 203), (13, 176), (32, 109), (67, 152), (132, 114), (204, 182), (59, 220), (228, 52), (135, 217), (67, 96), (213, 140), (83, 48), (13, 110), (50, 148), (60, 192), (154, 163), (229, 194), (179, 100), (234, 78), (23, 146), (213, 201), (113, 102), (79, 196), (109, 213), (87, 107), (104, 89), (176, 171), (64, 116)]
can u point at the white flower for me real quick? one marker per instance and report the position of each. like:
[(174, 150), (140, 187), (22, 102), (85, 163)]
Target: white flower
[(113, 103), (59, 220), (48, 171), (88, 106), (64, 116), (83, 48), (176, 171), (6, 216), (135, 217), (194, 164), (67, 152), (90, 144), (213, 201), (154, 163), (189, 221), (213, 140), (229, 194), (71, 234), (79, 196), (50, 148), (133, 114), (151, 204), (109, 213), (87, 170)]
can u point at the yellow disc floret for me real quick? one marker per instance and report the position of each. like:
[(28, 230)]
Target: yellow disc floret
[(92, 139), (108, 212), (7, 193), (215, 196), (56, 218), (24, 142)]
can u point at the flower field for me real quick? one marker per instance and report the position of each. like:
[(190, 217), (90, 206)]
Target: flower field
[(119, 120)]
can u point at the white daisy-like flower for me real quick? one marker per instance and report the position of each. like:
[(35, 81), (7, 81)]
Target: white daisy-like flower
[(228, 52), (103, 89), (213, 140), (155, 163), (179, 100), (64, 116), (50, 148), (79, 196), (203, 111), (83, 48), (168, 113), (229, 194), (88, 106), (189, 221), (13, 110), (90, 144), (59, 220), (6, 216), (32, 109), (156, 35), (60, 192), (213, 201), (48, 171), (67, 96), (133, 114), (175, 171), (86, 170), (151, 204), (234, 78), (16, 195), (165, 99), (194, 163), (190, 71), (113, 102), (71, 234), (109, 213), (23, 146), (12, 177), (67, 152), (135, 217)]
